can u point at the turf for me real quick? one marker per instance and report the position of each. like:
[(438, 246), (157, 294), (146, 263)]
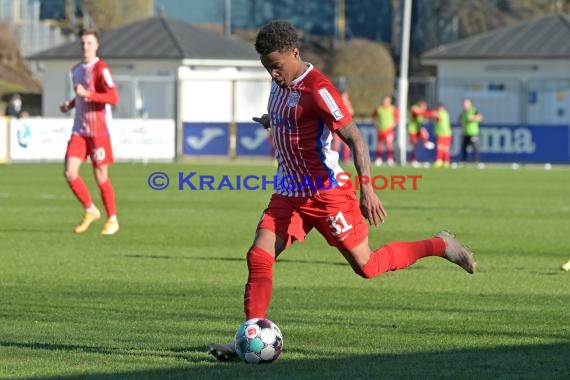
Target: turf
[(144, 303)]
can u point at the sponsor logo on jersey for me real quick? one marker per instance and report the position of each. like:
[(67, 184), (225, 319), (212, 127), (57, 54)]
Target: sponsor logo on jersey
[(293, 99)]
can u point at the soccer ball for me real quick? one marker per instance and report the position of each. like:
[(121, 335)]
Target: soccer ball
[(258, 340)]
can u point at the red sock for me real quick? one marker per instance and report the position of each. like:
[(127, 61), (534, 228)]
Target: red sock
[(400, 255), (108, 197), (81, 191), (259, 283), (390, 154), (440, 155)]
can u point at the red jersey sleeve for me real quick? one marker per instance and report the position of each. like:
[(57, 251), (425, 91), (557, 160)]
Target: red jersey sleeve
[(431, 114), (416, 112), (396, 114), (330, 106), (105, 90)]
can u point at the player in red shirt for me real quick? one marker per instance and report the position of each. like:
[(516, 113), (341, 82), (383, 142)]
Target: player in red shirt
[(304, 111), (94, 93)]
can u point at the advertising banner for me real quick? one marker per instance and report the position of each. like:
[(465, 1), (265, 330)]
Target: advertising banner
[(252, 140), (500, 143), (39, 139), (4, 140), (206, 139), (497, 143)]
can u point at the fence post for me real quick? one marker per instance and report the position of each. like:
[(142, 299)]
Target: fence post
[(233, 126)]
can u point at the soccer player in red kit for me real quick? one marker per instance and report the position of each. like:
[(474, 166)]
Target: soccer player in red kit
[(94, 93), (304, 111)]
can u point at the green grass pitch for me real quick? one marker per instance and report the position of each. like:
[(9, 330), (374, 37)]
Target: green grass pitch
[(143, 304)]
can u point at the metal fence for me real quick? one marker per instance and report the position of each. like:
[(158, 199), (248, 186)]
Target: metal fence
[(501, 100), (152, 97), (510, 101)]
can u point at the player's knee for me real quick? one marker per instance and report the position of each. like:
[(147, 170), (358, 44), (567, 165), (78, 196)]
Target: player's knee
[(101, 177), (70, 175), (362, 272), (258, 256)]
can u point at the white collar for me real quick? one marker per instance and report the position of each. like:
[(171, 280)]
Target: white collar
[(91, 63), (302, 76)]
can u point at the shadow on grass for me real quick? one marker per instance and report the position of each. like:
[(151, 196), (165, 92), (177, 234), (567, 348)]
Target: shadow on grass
[(174, 353), (46, 230), (280, 261), (549, 361)]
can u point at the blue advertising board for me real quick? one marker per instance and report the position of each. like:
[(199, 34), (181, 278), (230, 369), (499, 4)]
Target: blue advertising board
[(500, 143), (205, 139), (497, 143), (252, 140)]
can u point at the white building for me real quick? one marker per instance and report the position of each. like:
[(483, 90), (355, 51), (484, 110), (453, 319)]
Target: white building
[(166, 68), (519, 74)]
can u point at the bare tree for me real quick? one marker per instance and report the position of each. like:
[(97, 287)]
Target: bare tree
[(441, 21), (15, 76), (368, 69), (109, 14), (9, 53)]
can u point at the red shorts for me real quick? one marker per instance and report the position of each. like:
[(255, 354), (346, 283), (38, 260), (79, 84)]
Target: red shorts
[(444, 143), (387, 135), (98, 148), (335, 214)]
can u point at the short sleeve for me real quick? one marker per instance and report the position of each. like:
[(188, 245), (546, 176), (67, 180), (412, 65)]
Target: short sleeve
[(107, 78), (330, 107)]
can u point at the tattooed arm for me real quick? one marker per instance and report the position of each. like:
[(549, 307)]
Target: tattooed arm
[(370, 204)]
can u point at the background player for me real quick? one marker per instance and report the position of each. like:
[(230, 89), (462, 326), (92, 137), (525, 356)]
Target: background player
[(469, 120), (442, 131), (416, 131), (386, 118), (94, 92)]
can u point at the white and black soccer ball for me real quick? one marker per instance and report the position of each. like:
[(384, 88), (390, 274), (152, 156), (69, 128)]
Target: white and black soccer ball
[(258, 341)]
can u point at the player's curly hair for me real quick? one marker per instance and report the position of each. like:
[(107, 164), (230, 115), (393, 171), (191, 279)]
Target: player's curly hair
[(276, 36)]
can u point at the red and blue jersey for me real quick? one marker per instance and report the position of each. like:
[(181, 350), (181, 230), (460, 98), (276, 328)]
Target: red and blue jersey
[(303, 118), (92, 114)]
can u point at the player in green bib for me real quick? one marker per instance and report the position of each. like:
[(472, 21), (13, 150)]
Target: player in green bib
[(386, 118), (443, 136), (416, 131), (469, 120)]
